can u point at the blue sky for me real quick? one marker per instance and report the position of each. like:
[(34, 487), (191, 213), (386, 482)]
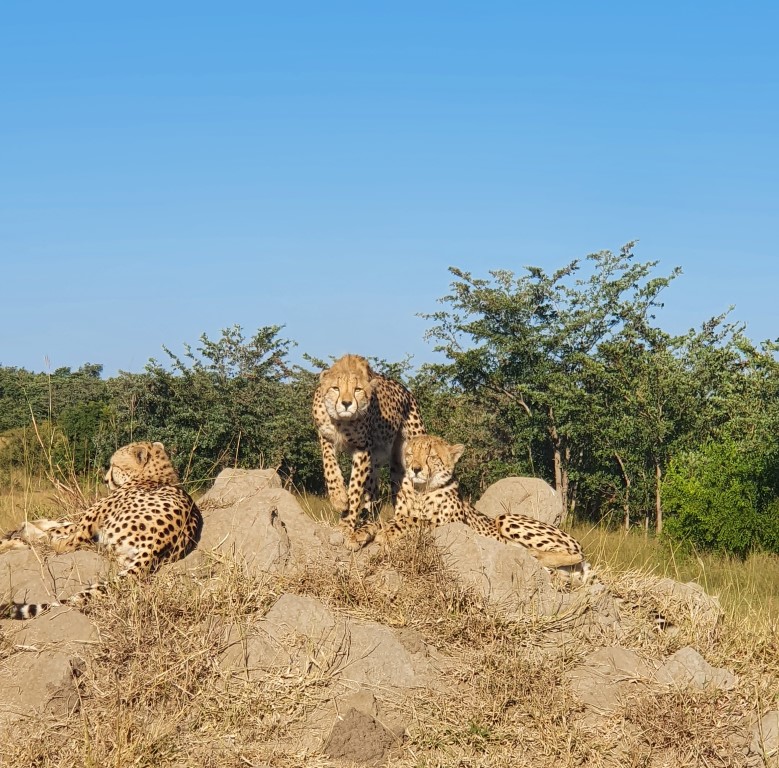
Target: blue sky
[(169, 169)]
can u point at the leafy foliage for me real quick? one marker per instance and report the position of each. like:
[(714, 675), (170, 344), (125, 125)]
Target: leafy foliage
[(723, 496)]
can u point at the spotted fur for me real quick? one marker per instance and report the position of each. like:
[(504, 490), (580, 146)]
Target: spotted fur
[(146, 520), (364, 414), (430, 497)]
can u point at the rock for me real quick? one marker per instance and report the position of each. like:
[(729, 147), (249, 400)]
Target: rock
[(688, 669), (703, 609), (34, 577), (232, 486), (346, 660), (503, 575), (263, 525), (765, 736), (302, 634), (529, 496), (47, 655), (607, 678), (38, 683), (249, 530), (360, 738), (64, 626)]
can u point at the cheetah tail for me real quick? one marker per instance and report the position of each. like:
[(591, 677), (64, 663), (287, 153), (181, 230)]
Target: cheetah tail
[(22, 611)]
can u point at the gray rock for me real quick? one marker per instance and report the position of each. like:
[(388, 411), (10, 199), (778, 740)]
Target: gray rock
[(529, 496), (62, 627), (503, 575), (688, 669), (765, 736), (703, 609), (249, 515), (302, 634), (249, 530), (232, 486), (38, 683), (30, 576), (607, 678)]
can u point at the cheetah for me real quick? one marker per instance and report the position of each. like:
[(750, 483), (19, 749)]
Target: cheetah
[(146, 520), (362, 413), (430, 497)]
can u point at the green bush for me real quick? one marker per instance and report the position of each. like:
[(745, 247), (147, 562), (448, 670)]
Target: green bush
[(723, 497)]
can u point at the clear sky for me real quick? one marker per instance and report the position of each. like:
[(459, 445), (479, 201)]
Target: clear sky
[(171, 168)]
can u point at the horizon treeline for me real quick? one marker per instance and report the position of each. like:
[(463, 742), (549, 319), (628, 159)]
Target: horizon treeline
[(565, 375)]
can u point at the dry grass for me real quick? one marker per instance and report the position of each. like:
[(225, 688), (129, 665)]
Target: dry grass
[(23, 497), (154, 694)]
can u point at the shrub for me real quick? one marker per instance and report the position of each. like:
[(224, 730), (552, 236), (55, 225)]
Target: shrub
[(724, 497)]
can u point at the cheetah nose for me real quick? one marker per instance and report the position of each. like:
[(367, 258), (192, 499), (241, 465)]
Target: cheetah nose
[(416, 469), (346, 404)]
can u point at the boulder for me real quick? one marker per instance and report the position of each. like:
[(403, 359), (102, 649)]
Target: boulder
[(703, 609), (234, 485), (506, 576), (607, 678), (47, 655), (302, 634), (765, 736), (529, 496), (688, 669), (30, 576), (359, 738), (349, 662), (248, 514)]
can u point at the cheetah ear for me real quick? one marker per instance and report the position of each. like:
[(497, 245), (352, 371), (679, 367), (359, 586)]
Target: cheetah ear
[(159, 445), (141, 454), (455, 451)]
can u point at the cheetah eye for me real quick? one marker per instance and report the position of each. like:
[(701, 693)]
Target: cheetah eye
[(358, 390)]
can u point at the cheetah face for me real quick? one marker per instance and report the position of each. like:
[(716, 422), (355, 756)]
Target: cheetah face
[(347, 388), (429, 461), (140, 461)]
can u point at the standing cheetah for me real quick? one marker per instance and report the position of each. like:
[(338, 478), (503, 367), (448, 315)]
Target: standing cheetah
[(368, 416), (430, 497), (146, 520)]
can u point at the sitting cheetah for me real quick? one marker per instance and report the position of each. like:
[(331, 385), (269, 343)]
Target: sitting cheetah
[(147, 519), (368, 416), (430, 497)]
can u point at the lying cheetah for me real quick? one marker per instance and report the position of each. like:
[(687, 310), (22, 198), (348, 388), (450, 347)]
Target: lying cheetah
[(368, 416), (146, 520), (430, 497)]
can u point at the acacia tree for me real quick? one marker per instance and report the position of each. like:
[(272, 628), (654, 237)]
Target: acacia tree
[(530, 340)]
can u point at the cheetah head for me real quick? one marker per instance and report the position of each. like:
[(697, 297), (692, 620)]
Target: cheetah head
[(429, 461), (347, 387), (140, 461)]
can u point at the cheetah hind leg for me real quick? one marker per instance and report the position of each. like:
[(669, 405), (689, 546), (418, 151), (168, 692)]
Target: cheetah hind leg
[(52, 530)]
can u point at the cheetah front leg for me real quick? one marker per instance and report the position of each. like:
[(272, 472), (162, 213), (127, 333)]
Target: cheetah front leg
[(382, 534), (334, 479), (397, 470), (362, 489)]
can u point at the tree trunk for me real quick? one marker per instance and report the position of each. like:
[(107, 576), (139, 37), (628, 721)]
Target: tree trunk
[(658, 507), (626, 504), (561, 452)]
